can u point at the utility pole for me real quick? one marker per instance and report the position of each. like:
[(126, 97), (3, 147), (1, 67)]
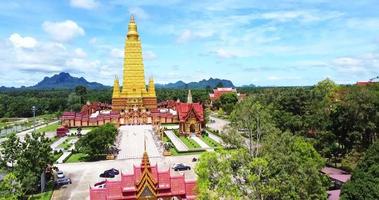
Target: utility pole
[(34, 117)]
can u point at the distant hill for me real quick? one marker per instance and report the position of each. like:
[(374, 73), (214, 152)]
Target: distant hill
[(64, 80), (212, 83)]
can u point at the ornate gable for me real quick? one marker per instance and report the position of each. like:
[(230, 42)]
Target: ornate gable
[(147, 185)]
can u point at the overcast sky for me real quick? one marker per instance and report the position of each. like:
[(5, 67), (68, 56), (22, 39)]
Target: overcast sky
[(271, 42)]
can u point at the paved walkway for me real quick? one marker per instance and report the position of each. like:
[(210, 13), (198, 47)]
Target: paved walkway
[(57, 143), (67, 153), (132, 142), (215, 137), (180, 146)]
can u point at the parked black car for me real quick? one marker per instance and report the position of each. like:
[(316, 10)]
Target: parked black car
[(62, 181), (107, 174), (115, 171), (181, 167)]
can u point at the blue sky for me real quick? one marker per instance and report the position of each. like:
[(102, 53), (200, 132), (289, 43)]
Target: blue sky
[(267, 43)]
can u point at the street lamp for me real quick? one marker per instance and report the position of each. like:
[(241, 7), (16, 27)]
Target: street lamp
[(34, 117)]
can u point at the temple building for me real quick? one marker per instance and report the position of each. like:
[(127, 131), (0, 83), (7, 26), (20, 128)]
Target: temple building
[(134, 95), (218, 92), (191, 116), (135, 103), (146, 182)]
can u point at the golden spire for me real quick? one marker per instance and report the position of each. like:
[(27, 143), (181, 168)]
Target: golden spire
[(145, 158), (132, 29), (116, 88), (189, 97)]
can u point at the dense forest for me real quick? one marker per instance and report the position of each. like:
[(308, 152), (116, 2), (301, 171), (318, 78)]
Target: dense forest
[(297, 131)]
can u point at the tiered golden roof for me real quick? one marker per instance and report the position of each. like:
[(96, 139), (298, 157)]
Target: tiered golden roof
[(134, 92)]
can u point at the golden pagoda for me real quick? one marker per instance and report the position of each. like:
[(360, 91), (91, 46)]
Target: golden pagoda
[(134, 94)]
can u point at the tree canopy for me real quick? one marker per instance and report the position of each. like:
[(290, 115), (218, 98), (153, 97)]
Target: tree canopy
[(287, 168), (364, 183), (97, 141)]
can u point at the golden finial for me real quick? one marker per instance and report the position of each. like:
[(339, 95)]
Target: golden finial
[(144, 141), (132, 19)]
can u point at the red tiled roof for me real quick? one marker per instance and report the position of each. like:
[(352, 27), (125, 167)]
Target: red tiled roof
[(336, 174), (185, 109), (334, 194), (178, 185)]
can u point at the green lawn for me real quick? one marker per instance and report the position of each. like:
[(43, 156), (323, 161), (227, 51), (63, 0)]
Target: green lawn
[(66, 144), (49, 128), (45, 195), (76, 157), (210, 142), (56, 156), (190, 143)]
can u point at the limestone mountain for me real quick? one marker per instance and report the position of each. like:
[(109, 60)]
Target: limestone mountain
[(212, 83), (64, 80)]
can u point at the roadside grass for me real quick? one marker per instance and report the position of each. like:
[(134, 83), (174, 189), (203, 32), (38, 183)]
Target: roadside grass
[(76, 157), (44, 195), (210, 142), (49, 128)]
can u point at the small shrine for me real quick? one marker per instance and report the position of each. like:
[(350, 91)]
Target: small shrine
[(146, 182)]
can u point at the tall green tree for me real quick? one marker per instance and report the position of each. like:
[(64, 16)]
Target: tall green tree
[(10, 188), (35, 156), (81, 91), (97, 142), (74, 102), (10, 150), (286, 168), (253, 119), (364, 183)]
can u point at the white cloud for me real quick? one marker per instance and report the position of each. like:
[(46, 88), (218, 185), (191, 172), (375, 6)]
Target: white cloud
[(80, 53), (363, 64), (22, 42), (184, 37), (117, 53), (86, 4), (63, 31), (300, 15), (187, 35), (138, 12), (149, 55), (222, 53)]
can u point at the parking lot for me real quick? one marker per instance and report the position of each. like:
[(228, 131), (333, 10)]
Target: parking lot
[(86, 174)]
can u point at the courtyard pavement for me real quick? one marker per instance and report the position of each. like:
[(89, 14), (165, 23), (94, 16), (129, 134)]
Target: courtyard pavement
[(132, 139), (86, 174)]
